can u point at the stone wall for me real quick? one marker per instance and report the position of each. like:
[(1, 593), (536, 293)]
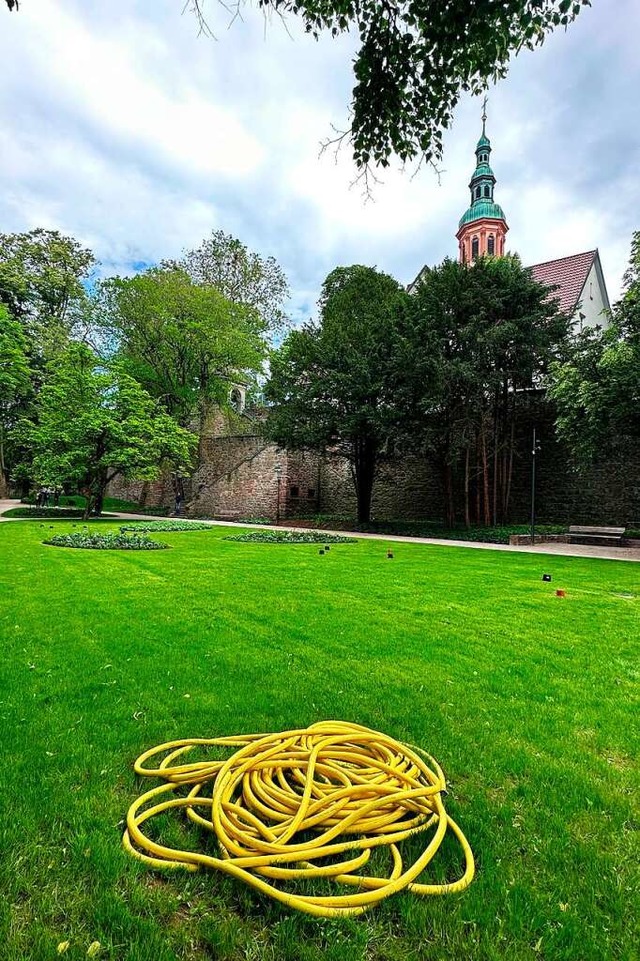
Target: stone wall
[(302, 482), (411, 488), (405, 488), (157, 493), (238, 478), (603, 493)]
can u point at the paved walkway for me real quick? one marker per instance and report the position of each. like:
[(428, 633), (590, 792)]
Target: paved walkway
[(564, 550)]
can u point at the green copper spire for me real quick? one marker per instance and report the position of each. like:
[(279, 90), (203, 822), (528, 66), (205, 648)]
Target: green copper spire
[(482, 182)]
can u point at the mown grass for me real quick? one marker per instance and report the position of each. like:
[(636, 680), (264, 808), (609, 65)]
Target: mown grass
[(529, 701)]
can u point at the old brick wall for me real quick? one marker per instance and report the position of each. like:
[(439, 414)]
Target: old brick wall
[(405, 487), (411, 488), (302, 483), (237, 477), (157, 493), (603, 493)]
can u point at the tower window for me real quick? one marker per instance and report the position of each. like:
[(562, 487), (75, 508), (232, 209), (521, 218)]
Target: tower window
[(477, 193), (474, 248), (491, 246)]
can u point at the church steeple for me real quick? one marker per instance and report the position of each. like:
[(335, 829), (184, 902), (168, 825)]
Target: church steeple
[(483, 226)]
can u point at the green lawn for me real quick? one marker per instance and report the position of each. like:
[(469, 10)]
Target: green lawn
[(529, 702)]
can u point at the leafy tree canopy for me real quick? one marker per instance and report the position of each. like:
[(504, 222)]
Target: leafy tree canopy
[(597, 391), (493, 333), (332, 382), (243, 277), (416, 58), (185, 343), (41, 273), (15, 383), (95, 421)]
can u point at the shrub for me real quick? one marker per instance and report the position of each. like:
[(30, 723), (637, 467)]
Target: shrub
[(52, 513), (165, 526), (106, 542), (289, 537), (431, 529)]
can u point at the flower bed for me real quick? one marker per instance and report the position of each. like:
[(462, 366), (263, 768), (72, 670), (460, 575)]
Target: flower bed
[(164, 526), (289, 537), (106, 542), (51, 513)]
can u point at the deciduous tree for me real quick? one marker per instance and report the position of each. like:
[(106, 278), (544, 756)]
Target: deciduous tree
[(242, 276), (597, 391), (15, 386), (332, 383), (42, 274), (182, 341), (95, 421)]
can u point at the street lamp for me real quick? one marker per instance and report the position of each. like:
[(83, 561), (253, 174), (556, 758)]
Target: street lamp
[(278, 472), (535, 447)]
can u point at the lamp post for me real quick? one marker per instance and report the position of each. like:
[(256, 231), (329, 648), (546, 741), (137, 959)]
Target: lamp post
[(535, 447), (278, 472)]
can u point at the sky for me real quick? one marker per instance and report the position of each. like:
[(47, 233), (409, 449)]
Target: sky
[(122, 125)]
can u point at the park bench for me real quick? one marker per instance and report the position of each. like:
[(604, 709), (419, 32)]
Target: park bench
[(600, 536), (227, 515)]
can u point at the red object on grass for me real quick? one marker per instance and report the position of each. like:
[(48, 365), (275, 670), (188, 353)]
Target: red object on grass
[(560, 593)]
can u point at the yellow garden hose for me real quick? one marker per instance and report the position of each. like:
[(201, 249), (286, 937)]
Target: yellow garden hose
[(305, 804)]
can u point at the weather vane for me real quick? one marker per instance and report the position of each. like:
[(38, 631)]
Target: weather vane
[(484, 111)]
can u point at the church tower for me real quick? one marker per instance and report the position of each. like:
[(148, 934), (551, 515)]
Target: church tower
[(482, 227)]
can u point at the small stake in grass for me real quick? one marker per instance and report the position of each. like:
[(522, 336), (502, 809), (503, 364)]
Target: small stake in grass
[(561, 593), (546, 577), (389, 553)]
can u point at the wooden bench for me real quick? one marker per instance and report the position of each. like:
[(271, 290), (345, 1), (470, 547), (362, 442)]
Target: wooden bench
[(227, 515), (601, 536)]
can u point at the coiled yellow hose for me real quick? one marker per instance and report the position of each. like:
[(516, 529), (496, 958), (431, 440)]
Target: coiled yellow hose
[(305, 804)]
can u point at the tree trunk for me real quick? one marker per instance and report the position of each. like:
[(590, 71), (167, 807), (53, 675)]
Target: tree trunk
[(94, 494), (509, 471), (365, 456), (467, 512), (485, 477), (450, 515), (496, 471)]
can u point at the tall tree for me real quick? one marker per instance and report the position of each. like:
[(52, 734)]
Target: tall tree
[(332, 383), (597, 391), (182, 341), (416, 58), (94, 422), (495, 333), (243, 277), (42, 274), (15, 386)]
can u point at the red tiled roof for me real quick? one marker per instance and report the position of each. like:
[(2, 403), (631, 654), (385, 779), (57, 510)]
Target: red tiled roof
[(569, 274)]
